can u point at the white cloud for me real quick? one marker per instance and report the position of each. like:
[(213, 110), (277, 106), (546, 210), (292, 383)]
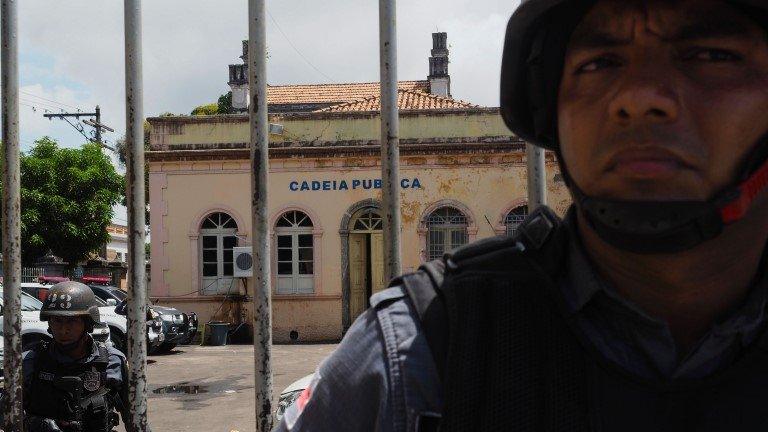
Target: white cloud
[(189, 43)]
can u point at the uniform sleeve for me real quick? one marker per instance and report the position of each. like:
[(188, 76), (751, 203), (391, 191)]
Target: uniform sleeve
[(27, 370), (116, 369), (350, 388)]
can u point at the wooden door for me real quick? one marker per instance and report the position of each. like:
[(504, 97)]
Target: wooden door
[(378, 281), (358, 274)]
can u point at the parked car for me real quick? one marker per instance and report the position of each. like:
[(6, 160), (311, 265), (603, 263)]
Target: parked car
[(33, 330), (291, 393), (118, 325), (178, 327)]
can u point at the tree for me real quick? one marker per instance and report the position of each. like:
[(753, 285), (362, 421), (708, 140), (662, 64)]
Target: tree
[(225, 103), (67, 196), (208, 109)]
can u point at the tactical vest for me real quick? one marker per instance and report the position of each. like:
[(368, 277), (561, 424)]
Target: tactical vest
[(47, 398), (511, 359)]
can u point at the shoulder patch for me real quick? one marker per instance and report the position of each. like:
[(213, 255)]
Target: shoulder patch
[(387, 296)]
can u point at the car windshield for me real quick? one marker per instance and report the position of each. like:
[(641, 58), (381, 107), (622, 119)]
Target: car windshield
[(28, 303), (119, 294)]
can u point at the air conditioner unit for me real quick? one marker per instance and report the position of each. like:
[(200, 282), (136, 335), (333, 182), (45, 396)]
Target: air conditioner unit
[(243, 260)]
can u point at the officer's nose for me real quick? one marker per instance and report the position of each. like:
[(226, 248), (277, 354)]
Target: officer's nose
[(645, 95)]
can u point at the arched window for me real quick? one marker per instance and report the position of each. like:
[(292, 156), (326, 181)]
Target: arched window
[(447, 230), (218, 235), (514, 218), (295, 253)]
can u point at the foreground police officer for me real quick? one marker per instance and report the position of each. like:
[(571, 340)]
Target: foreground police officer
[(73, 383), (645, 309)]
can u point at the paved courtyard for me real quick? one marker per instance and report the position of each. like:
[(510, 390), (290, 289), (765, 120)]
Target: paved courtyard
[(224, 400)]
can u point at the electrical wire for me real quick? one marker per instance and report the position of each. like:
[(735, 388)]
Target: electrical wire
[(50, 100), (296, 49)]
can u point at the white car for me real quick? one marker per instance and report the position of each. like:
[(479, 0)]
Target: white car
[(290, 395), (33, 330), (117, 324)]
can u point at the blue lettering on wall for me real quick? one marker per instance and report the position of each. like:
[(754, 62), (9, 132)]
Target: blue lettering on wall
[(343, 185)]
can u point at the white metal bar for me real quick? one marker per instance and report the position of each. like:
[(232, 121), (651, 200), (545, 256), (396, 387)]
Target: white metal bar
[(537, 176), (259, 126), (137, 280), (390, 138), (13, 407)]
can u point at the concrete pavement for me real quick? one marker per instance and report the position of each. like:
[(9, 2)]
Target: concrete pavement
[(211, 388)]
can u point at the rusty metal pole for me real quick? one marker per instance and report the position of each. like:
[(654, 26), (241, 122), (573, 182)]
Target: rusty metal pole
[(137, 280), (390, 138), (537, 176), (12, 406), (262, 301)]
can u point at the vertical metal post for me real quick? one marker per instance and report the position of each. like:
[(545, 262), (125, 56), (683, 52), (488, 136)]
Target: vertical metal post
[(137, 280), (12, 406), (537, 176), (262, 301), (390, 138)]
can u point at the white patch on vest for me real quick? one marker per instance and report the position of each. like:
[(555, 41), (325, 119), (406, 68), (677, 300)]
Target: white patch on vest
[(92, 380)]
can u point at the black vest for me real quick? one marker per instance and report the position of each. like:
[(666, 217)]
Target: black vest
[(511, 360), (89, 404)]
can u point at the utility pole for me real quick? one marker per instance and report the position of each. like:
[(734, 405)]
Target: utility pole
[(9, 64), (259, 157), (96, 124), (537, 176), (390, 139)]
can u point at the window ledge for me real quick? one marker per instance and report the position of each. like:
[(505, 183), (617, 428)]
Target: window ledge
[(291, 297)]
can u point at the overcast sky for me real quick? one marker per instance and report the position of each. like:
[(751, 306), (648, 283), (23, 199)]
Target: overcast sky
[(71, 52)]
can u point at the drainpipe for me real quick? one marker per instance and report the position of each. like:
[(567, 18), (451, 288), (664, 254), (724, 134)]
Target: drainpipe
[(259, 127), (137, 280), (390, 141), (9, 56)]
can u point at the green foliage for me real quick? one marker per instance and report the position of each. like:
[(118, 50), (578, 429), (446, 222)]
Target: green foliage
[(225, 103), (209, 109), (66, 200), (121, 149)]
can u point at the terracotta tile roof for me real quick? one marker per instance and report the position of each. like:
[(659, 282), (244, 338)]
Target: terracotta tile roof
[(406, 100), (332, 93)]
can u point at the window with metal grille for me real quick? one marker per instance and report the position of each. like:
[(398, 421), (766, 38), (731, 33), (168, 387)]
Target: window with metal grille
[(295, 253), (218, 235), (447, 230), (514, 218)]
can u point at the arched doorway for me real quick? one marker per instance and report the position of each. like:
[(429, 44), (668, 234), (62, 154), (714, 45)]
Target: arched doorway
[(366, 259)]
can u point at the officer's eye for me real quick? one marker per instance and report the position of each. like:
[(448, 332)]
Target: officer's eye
[(599, 63), (714, 55)]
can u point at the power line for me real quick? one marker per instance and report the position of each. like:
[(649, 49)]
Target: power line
[(296, 49), (50, 100)]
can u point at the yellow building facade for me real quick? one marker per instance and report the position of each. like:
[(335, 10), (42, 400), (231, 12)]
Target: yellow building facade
[(463, 178)]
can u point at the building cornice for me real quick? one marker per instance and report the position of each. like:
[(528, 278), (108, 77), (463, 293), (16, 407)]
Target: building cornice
[(240, 151), (243, 118)]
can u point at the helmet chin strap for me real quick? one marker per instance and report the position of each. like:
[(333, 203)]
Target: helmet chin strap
[(69, 347), (658, 227)]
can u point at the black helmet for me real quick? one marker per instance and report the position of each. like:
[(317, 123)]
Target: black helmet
[(534, 49), (70, 298)]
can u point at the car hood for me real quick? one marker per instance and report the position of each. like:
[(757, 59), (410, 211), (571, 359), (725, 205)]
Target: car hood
[(300, 384), (165, 310)]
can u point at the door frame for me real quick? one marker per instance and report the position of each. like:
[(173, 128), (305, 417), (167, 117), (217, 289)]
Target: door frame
[(344, 231)]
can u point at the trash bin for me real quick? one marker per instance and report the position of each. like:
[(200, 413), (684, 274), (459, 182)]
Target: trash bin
[(218, 332)]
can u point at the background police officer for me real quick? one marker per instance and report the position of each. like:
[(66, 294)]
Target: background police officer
[(73, 383), (645, 309)]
